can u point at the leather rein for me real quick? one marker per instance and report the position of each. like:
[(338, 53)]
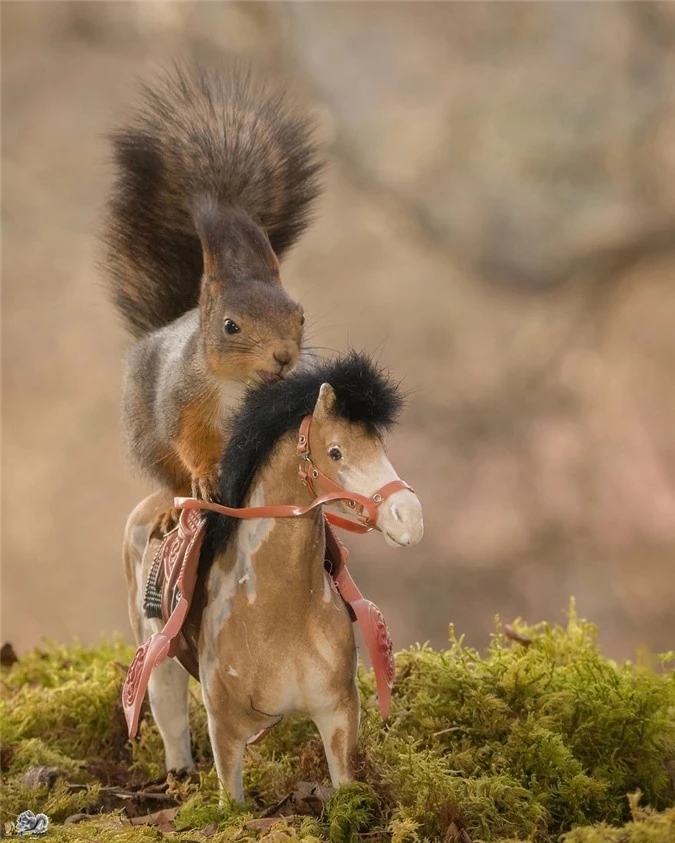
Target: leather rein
[(365, 508)]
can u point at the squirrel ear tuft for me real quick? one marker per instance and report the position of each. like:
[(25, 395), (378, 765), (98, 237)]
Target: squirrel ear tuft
[(325, 402)]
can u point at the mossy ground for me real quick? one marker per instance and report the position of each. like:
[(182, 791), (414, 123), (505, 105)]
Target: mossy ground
[(544, 742)]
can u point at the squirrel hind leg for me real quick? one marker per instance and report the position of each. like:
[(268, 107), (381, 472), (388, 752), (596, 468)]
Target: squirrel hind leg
[(165, 523)]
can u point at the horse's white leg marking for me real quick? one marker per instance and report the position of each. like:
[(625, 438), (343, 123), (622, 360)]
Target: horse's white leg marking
[(339, 728)]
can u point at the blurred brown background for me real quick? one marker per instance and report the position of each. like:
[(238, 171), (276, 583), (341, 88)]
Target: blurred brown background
[(498, 225)]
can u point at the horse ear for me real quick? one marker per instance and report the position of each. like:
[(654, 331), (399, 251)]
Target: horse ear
[(325, 402)]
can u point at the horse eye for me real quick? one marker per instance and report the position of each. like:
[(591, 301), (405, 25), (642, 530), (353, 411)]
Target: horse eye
[(335, 454), (231, 327)]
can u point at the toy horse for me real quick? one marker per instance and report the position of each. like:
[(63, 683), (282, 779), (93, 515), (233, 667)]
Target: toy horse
[(274, 636)]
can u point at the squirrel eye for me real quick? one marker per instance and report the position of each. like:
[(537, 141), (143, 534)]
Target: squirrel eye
[(335, 453), (231, 327), (302, 319)]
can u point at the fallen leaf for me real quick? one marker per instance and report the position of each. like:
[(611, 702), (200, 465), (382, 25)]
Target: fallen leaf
[(265, 823), (76, 818), (310, 798), (162, 820), (455, 834)]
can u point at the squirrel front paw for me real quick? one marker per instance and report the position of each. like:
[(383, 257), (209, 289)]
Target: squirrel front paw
[(207, 488)]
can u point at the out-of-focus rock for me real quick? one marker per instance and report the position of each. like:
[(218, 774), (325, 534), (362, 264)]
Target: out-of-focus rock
[(38, 776)]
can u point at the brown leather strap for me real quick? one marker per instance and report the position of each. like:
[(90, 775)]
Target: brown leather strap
[(179, 554), (279, 511)]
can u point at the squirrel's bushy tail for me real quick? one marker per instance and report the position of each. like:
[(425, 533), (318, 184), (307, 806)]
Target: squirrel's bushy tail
[(228, 138)]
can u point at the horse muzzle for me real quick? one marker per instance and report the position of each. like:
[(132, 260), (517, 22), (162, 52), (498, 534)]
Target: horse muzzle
[(399, 519)]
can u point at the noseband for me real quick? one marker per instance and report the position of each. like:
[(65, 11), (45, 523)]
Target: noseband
[(364, 507)]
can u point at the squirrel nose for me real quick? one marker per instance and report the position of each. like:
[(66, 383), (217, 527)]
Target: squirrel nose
[(282, 357)]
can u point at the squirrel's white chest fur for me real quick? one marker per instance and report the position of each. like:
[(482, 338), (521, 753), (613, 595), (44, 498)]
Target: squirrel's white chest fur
[(230, 394)]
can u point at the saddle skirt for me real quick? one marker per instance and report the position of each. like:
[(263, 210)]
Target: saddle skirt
[(168, 595)]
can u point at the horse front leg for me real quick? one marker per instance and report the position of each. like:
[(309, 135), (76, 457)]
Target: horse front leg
[(228, 744), (339, 729)]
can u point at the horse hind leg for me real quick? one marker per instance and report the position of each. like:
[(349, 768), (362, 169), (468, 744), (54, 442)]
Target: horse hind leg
[(339, 729), (169, 699)]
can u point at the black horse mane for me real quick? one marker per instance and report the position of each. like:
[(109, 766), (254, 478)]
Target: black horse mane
[(364, 394)]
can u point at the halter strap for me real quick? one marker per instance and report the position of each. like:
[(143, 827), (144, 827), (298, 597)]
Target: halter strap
[(365, 507)]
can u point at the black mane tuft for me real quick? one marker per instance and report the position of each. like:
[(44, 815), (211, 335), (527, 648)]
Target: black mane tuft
[(364, 394)]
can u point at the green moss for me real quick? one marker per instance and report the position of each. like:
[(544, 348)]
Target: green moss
[(104, 830), (352, 808), (58, 803), (34, 752), (206, 807), (67, 700), (646, 826), (538, 743)]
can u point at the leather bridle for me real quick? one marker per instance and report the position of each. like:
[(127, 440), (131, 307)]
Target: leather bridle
[(365, 507)]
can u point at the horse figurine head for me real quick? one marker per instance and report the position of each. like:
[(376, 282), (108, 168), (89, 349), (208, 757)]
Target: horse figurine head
[(275, 635), (356, 461)]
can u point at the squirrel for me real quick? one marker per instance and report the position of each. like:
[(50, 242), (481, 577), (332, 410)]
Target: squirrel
[(215, 178)]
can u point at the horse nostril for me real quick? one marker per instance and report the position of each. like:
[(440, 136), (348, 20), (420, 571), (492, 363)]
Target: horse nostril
[(282, 357)]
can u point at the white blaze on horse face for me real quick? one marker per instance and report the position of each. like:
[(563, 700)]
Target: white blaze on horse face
[(399, 516)]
